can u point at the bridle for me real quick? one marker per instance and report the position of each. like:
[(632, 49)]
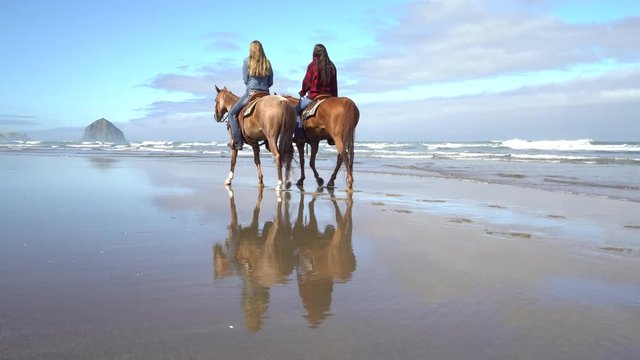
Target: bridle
[(223, 117)]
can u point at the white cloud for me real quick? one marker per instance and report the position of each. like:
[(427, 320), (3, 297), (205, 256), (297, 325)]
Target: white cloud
[(456, 40), (602, 108)]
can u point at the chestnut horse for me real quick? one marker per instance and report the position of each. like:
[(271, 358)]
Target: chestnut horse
[(335, 120), (273, 119)]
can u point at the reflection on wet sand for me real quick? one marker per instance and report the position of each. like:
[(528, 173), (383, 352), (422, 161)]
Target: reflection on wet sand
[(267, 255), (103, 163)]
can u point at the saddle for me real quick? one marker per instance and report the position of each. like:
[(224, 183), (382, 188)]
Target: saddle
[(311, 109), (248, 109)]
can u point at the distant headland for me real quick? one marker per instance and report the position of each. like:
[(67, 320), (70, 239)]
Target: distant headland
[(13, 136)]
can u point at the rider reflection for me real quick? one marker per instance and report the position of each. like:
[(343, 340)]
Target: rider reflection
[(263, 256)]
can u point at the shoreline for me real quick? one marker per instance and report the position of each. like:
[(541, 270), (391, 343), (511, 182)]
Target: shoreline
[(326, 162)]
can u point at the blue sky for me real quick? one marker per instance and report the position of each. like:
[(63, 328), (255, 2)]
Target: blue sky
[(418, 70)]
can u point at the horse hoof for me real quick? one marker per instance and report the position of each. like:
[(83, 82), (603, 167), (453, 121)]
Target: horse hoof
[(229, 178), (287, 185), (320, 181), (331, 184), (300, 182)]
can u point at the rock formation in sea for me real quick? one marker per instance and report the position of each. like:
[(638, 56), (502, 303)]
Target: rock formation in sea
[(103, 130), (13, 136)]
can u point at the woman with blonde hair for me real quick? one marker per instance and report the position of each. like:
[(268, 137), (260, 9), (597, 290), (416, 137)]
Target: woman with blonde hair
[(257, 75)]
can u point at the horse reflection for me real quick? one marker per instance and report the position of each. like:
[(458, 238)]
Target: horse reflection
[(267, 255), (323, 257), (262, 256)]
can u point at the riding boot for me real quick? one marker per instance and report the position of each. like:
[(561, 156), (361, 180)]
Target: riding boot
[(236, 133), (299, 132)]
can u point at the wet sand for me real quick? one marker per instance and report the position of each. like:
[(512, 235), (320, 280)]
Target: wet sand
[(151, 258)]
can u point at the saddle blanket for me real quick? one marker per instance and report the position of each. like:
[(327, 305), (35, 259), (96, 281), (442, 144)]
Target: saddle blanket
[(248, 109), (311, 109)]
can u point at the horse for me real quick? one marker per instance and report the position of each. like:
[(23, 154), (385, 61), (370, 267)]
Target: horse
[(273, 120), (335, 120)]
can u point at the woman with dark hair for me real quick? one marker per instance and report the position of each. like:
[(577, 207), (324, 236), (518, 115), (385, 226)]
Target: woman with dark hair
[(321, 78), (257, 74)]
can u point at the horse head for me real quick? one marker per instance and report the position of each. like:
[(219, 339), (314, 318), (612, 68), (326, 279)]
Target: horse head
[(222, 104)]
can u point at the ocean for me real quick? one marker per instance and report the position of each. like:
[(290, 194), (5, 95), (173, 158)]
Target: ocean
[(581, 166)]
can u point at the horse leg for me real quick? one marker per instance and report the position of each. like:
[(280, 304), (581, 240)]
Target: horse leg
[(347, 157), (278, 159), (332, 180), (312, 162), (256, 160), (234, 156), (342, 158), (300, 146), (287, 165), (349, 166)]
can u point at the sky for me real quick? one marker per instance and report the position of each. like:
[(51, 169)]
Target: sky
[(440, 70)]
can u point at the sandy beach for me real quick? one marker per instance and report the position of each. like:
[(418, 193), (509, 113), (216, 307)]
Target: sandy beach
[(153, 258)]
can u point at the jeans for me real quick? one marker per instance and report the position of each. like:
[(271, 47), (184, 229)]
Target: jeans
[(233, 118), (302, 104)]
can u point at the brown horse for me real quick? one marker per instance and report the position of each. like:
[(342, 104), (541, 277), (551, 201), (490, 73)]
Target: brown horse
[(335, 120), (272, 120)]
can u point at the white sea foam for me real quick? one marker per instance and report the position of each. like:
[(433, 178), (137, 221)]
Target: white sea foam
[(389, 152), (553, 157), (567, 145), (383, 145), (470, 155), (460, 145), (416, 156), (152, 149), (87, 145), (156, 143), (193, 144)]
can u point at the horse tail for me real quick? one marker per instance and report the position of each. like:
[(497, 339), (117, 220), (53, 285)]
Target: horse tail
[(351, 117), (287, 129)]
